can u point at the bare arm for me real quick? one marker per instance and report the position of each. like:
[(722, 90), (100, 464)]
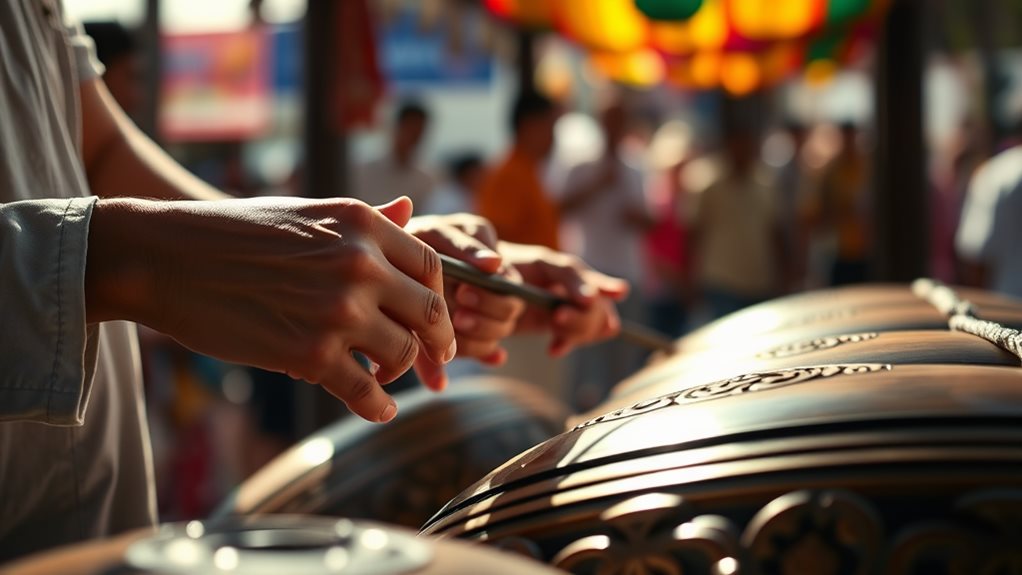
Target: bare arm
[(121, 161)]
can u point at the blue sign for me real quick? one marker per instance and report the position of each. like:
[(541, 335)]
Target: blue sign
[(411, 55)]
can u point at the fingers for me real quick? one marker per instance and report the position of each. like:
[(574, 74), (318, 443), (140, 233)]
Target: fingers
[(392, 347), (574, 326), (398, 211), (488, 304), (358, 389), (463, 238), (430, 373), (421, 310)]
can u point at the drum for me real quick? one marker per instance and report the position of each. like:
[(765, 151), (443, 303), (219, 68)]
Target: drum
[(402, 472), (274, 546), (893, 347), (837, 468), (874, 307)]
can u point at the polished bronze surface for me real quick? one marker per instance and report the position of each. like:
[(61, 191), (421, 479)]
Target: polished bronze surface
[(402, 472), (276, 545), (831, 468), (764, 354)]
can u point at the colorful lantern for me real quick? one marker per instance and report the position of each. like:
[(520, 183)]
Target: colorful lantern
[(845, 11), (603, 25), (526, 13), (641, 68), (740, 73), (777, 19), (669, 10)]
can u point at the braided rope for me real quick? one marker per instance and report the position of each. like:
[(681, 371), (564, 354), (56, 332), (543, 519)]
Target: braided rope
[(962, 316)]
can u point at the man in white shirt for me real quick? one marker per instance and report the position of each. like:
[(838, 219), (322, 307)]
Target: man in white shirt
[(286, 284), (604, 202), (990, 231), (396, 174)]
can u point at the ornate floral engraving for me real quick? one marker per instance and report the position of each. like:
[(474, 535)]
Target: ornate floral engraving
[(819, 532), (654, 534), (734, 386), (818, 344)]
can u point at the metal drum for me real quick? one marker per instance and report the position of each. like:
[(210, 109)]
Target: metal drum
[(851, 468), (273, 546), (762, 354), (876, 307), (402, 472)]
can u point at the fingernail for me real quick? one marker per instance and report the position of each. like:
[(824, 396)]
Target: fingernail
[(452, 350), (587, 290), (464, 320), (487, 254), (374, 368), (388, 412)]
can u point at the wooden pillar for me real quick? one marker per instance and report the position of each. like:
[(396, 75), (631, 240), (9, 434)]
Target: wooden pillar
[(324, 170), (901, 203)]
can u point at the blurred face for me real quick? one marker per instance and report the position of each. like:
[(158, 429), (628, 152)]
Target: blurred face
[(408, 135), (537, 134)]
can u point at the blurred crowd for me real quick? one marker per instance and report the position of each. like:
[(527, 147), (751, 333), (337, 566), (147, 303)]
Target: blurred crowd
[(700, 225)]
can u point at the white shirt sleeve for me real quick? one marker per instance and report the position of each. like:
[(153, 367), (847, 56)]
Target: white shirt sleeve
[(977, 220), (47, 353), (87, 63)]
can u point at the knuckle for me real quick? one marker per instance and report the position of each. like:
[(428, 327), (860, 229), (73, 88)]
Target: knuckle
[(345, 310), (357, 214), (434, 307), (431, 267), (356, 261), (360, 389), (409, 351)]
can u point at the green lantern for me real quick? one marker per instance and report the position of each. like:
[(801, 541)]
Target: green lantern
[(844, 11), (669, 10)]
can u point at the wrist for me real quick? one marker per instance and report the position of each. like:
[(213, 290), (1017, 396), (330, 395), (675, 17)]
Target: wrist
[(119, 278)]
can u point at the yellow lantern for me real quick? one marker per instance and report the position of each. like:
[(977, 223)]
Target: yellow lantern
[(603, 25), (776, 19), (642, 68), (740, 73)]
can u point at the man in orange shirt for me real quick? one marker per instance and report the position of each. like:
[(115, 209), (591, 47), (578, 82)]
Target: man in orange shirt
[(512, 196)]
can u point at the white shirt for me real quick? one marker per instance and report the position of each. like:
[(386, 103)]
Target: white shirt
[(382, 180), (608, 241), (737, 221), (990, 230), (74, 446)]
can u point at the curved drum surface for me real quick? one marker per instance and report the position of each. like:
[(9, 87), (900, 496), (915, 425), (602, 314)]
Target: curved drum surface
[(276, 545), (893, 347), (847, 468), (402, 472), (882, 307)]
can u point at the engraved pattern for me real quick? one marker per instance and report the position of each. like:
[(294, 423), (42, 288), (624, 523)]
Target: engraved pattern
[(815, 345), (820, 316), (734, 386), (653, 534)]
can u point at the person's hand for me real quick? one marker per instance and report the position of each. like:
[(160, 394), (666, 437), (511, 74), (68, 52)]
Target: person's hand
[(592, 316), (285, 284), (481, 318)]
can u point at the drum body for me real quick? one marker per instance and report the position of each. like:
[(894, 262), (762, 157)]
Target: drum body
[(276, 545), (874, 307), (402, 472), (841, 468), (763, 354)]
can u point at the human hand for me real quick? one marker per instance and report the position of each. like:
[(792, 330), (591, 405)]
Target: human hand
[(285, 284), (593, 315), (481, 318)]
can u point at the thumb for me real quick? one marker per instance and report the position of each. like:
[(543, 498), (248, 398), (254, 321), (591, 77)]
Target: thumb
[(398, 211)]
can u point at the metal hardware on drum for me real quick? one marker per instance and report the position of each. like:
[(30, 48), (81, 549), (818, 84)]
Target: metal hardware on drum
[(461, 271)]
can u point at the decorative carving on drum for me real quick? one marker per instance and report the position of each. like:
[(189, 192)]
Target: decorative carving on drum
[(402, 472), (896, 348), (275, 545), (853, 468), (863, 308)]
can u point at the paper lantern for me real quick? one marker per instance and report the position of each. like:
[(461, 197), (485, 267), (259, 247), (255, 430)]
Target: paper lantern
[(671, 38), (845, 11), (777, 19), (669, 10), (740, 73), (641, 68), (526, 13), (602, 25)]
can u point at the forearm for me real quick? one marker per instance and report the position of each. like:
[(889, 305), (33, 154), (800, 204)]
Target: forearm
[(121, 161)]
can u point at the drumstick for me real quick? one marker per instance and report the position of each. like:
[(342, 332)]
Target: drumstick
[(461, 271)]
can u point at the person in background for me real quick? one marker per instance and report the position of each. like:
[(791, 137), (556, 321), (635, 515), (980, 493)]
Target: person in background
[(396, 173), (512, 195), (465, 174), (605, 201), (990, 232), (737, 231), (118, 52), (843, 204)]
